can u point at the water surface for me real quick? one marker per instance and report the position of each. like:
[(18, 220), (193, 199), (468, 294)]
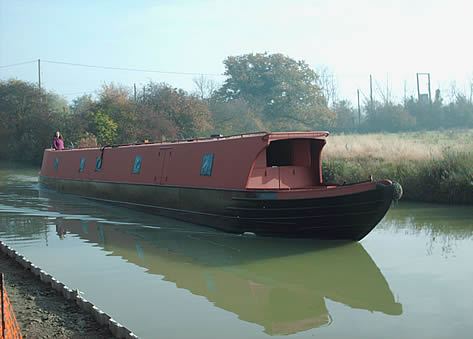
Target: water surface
[(411, 277)]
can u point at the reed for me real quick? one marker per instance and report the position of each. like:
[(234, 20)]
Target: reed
[(434, 166)]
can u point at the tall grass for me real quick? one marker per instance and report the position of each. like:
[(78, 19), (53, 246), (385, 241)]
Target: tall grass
[(430, 166)]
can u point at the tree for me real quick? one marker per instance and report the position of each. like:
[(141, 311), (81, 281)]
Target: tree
[(388, 117), (76, 124), (188, 114), (154, 126), (28, 119), (104, 128), (328, 84), (459, 113), (205, 87), (345, 120), (284, 92), (427, 115), (233, 117), (115, 102)]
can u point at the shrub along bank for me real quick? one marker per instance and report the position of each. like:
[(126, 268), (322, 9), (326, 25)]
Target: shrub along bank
[(446, 179)]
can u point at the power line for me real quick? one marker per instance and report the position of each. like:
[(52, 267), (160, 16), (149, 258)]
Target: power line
[(19, 63), (128, 69)]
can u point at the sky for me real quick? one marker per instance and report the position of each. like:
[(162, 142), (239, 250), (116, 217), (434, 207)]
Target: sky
[(179, 39)]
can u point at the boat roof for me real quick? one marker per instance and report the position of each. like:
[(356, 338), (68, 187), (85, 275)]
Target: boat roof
[(298, 135), (271, 136)]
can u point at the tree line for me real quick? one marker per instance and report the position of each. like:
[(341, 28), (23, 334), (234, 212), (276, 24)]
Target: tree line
[(270, 92), (411, 115)]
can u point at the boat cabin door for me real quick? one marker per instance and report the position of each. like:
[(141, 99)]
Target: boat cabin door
[(164, 156)]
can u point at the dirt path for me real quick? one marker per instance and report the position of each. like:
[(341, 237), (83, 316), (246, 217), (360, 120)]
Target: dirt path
[(41, 312)]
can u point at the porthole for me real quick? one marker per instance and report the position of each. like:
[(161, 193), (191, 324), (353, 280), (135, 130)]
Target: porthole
[(207, 164), (137, 165), (98, 164), (82, 165)]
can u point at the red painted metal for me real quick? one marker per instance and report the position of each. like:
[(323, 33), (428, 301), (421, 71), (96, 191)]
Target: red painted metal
[(179, 163), (267, 183)]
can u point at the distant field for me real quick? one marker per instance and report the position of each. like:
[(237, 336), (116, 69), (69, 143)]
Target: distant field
[(432, 166), (399, 146)]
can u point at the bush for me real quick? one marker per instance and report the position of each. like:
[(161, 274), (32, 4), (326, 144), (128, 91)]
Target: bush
[(445, 180)]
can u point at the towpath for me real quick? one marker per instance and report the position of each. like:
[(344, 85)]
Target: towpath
[(41, 312)]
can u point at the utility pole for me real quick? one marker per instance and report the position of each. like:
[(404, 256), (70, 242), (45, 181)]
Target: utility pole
[(418, 88), (387, 88), (405, 89), (359, 110), (134, 94), (371, 91), (39, 74), (430, 94)]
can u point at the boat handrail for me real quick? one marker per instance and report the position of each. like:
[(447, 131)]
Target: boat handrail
[(233, 136), (179, 141)]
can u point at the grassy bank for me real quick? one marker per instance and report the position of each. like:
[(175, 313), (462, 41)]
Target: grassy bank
[(430, 166)]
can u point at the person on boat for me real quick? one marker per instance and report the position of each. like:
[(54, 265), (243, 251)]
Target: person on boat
[(58, 143)]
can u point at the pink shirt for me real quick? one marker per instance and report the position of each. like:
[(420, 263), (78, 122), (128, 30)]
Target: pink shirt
[(58, 143)]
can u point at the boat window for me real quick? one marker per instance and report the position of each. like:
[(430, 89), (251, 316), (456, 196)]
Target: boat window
[(137, 165), (82, 164), (56, 164), (98, 164), (207, 164)]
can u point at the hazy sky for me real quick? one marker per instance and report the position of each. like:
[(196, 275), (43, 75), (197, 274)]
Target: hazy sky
[(392, 40)]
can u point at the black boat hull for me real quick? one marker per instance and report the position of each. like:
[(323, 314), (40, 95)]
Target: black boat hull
[(348, 216)]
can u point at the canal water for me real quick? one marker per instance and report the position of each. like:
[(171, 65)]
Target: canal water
[(412, 277)]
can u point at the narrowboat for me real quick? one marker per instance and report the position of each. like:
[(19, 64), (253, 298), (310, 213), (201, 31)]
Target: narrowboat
[(264, 183)]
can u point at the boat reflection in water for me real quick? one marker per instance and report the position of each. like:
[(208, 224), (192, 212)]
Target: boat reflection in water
[(280, 284)]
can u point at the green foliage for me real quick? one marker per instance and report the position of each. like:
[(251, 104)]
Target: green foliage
[(388, 117), (159, 112), (76, 123), (427, 116), (28, 120), (459, 113), (115, 103), (234, 117), (345, 116), (104, 128), (189, 115), (418, 115), (445, 180), (282, 92), (261, 92)]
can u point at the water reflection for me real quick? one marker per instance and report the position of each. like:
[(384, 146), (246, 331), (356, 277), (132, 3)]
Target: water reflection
[(441, 225), (279, 284), (276, 285), (436, 219)]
